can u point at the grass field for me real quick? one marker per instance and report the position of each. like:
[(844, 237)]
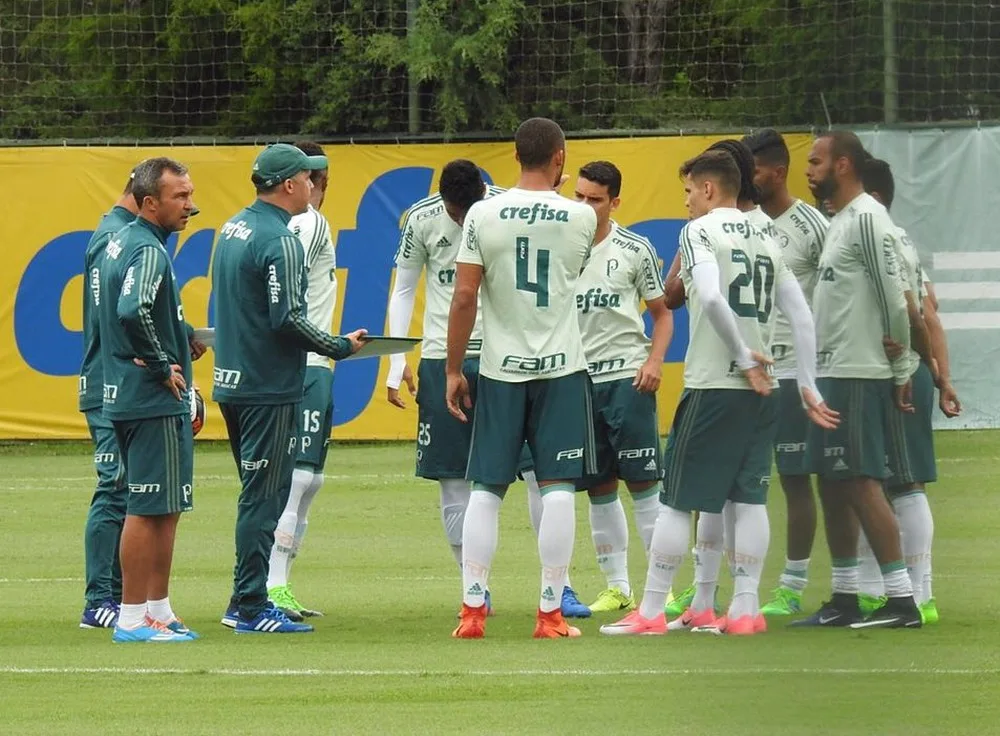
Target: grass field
[(381, 661)]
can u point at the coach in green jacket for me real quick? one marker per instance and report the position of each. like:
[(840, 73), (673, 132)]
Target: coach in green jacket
[(261, 339)]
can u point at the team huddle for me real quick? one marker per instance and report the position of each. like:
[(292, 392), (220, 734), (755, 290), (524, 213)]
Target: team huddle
[(812, 342)]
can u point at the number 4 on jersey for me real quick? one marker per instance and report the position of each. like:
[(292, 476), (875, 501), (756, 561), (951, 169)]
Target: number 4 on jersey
[(540, 286)]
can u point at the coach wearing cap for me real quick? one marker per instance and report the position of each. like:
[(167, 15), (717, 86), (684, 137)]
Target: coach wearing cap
[(261, 339)]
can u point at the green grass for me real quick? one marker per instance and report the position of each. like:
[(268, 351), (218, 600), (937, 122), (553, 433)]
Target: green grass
[(382, 661)]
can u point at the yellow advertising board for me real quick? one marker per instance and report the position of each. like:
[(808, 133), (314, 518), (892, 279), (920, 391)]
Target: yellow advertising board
[(53, 198)]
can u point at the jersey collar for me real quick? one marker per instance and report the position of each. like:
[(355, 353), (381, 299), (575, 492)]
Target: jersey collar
[(260, 205), (160, 233)]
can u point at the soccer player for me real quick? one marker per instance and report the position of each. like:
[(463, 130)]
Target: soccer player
[(715, 532), (522, 251), (107, 506), (262, 336), (316, 410), (430, 236), (719, 448), (145, 353), (858, 302), (625, 368), (908, 495), (801, 229)]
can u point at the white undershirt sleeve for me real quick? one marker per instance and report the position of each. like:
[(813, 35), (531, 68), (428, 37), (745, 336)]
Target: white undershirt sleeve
[(792, 302), (705, 279), (404, 293)]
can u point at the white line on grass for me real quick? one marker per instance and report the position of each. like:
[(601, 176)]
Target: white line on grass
[(225, 672)]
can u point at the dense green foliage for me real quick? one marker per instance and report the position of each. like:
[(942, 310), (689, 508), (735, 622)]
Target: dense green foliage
[(159, 68)]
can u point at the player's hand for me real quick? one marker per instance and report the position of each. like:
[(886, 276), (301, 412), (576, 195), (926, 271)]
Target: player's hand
[(175, 383), (457, 396), (393, 393), (758, 377), (357, 339), (647, 378), (904, 398), (198, 349), (948, 401), (893, 349), (818, 412)]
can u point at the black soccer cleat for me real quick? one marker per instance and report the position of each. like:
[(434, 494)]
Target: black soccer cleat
[(841, 610), (897, 613)]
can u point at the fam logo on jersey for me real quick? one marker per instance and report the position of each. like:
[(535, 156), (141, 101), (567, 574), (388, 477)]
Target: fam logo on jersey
[(599, 367), (531, 215), (597, 299), (226, 378), (538, 366)]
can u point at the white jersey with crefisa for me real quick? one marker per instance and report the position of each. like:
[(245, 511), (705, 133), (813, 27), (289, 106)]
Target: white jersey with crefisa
[(750, 269), (801, 232), (320, 261), (430, 238), (532, 246), (623, 270)]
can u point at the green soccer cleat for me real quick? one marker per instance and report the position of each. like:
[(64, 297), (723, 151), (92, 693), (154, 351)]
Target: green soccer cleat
[(613, 599), (929, 612), (676, 606), (870, 603), (786, 602), (285, 599)]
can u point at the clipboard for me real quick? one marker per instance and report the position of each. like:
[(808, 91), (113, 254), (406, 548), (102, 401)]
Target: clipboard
[(376, 345)]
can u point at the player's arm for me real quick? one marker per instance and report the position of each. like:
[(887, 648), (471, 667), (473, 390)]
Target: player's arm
[(145, 273), (788, 298), (281, 261), (919, 336), (948, 399), (650, 287), (312, 234), (462, 316), (674, 287), (879, 258), (411, 256), (699, 261)]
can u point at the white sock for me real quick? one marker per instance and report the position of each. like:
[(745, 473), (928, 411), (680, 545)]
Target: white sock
[(302, 525), (480, 534), (131, 615), (795, 575), (160, 610), (869, 574), (753, 534), (534, 499), (897, 581), (844, 575), (666, 553), (555, 542), (284, 533), (609, 530), (454, 501), (707, 559), (645, 509), (729, 535), (916, 528)]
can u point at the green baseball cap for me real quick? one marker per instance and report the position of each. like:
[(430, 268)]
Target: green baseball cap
[(283, 161)]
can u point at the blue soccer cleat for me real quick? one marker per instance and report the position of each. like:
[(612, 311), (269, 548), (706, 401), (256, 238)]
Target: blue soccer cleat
[(230, 617), (271, 621), (104, 616), (571, 606), (177, 626), (155, 633)]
